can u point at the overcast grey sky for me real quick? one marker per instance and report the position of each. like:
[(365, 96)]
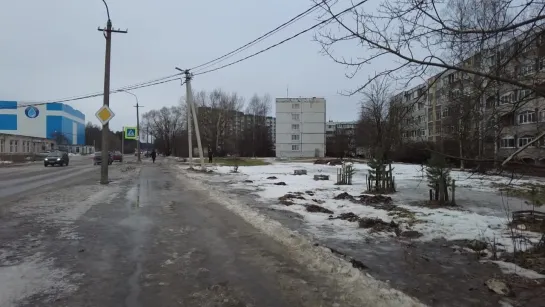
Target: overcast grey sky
[(52, 49)]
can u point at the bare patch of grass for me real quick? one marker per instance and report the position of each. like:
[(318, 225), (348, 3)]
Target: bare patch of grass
[(240, 162)]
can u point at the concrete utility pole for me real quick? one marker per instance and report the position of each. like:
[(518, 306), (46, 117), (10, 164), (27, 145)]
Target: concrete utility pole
[(122, 143), (137, 106), (106, 128), (189, 130), (147, 134), (191, 108)]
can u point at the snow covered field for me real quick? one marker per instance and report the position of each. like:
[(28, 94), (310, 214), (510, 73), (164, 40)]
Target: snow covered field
[(471, 221), (442, 251)]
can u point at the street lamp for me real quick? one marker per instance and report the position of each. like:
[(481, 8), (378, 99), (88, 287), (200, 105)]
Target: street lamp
[(137, 124)]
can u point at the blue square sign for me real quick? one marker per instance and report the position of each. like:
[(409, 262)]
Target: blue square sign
[(131, 133)]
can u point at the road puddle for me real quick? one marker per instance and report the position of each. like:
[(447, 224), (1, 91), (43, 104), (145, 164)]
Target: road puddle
[(133, 197)]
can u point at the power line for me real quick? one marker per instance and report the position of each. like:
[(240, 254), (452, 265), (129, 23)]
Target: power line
[(262, 37), (99, 94), (283, 41)]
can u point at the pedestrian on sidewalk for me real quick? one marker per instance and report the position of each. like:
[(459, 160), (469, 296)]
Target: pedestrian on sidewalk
[(153, 155), (210, 154)]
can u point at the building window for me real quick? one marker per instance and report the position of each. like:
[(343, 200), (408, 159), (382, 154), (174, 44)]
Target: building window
[(24, 146), (525, 140), (295, 127), (27, 146), (2, 145), (13, 146), (527, 117), (525, 94), (542, 116), (507, 98), (295, 116), (294, 147), (507, 142), (445, 112), (295, 106), (527, 70), (422, 132), (295, 137)]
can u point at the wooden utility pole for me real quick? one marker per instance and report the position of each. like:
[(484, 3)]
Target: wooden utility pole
[(106, 128)]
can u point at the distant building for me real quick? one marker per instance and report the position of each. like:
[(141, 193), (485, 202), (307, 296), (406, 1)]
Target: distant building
[(300, 127), (347, 133), (239, 122), (271, 124), (332, 128), (54, 121), (19, 148)]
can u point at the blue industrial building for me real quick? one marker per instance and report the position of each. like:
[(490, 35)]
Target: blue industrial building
[(55, 121)]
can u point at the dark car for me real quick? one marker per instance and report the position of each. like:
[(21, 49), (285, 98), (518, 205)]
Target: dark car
[(97, 159), (56, 158), (117, 156)]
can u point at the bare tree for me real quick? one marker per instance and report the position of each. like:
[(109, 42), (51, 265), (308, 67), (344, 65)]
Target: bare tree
[(256, 128), (380, 120), (166, 126), (497, 43), (217, 113)]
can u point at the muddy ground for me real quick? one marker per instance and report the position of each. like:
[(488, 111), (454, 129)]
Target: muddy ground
[(438, 273)]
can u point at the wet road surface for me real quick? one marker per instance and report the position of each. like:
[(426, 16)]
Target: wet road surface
[(18, 180), (146, 240)]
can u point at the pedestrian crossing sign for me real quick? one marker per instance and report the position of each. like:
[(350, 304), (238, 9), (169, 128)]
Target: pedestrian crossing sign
[(131, 133)]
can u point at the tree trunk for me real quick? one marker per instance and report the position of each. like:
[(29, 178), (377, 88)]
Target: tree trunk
[(441, 189)]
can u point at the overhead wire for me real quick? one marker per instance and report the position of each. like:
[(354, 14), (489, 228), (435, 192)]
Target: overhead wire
[(97, 94), (168, 79), (126, 88), (283, 41), (257, 40)]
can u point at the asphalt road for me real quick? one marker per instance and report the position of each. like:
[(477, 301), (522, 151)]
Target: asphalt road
[(33, 177), (144, 240)]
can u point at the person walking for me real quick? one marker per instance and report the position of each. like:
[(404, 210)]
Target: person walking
[(210, 154), (153, 155)]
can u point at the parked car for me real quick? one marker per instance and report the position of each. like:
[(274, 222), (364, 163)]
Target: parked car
[(97, 159), (56, 158), (117, 156)]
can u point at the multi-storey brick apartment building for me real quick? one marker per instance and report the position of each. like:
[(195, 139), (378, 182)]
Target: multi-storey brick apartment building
[(483, 117)]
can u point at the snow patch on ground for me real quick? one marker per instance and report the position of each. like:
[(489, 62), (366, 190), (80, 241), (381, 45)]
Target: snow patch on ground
[(34, 275), (369, 291), (455, 224), (511, 268)]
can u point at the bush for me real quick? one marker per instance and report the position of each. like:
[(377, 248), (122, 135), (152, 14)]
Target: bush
[(414, 152)]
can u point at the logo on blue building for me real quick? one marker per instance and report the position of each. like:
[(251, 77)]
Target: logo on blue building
[(32, 112)]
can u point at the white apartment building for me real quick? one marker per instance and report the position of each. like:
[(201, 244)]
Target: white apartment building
[(300, 127)]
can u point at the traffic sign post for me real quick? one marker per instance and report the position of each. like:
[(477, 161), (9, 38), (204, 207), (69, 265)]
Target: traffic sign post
[(104, 114), (131, 133), (122, 144)]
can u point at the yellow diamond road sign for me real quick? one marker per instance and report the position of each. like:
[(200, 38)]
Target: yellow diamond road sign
[(104, 115)]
